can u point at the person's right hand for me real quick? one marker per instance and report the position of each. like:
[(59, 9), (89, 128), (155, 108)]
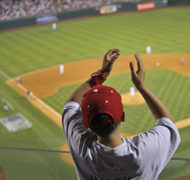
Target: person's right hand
[(139, 75), (110, 57)]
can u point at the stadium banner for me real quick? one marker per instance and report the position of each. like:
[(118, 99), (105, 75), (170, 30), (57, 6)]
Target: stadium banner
[(108, 9), (46, 19), (145, 6)]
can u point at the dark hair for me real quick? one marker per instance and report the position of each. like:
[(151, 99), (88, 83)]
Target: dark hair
[(107, 129)]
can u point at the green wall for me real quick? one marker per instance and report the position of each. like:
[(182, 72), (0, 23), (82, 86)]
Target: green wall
[(178, 2)]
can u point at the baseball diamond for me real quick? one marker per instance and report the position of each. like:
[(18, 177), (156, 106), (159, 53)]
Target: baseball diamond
[(46, 82), (32, 84), (37, 82)]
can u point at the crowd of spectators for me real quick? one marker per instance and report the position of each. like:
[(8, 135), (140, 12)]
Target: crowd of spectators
[(82, 4), (11, 9)]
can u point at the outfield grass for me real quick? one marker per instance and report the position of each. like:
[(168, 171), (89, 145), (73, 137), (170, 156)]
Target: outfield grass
[(25, 50), (166, 30)]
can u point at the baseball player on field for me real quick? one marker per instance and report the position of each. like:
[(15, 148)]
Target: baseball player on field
[(92, 119)]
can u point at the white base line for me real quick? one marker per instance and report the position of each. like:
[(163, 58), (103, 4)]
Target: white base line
[(35, 97), (8, 77), (178, 124), (5, 75), (46, 106), (20, 86)]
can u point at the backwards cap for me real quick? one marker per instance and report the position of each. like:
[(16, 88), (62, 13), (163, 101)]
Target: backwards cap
[(101, 99)]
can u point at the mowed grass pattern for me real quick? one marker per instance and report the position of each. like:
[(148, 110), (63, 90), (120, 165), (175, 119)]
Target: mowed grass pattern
[(25, 50), (44, 134), (138, 118), (166, 30)]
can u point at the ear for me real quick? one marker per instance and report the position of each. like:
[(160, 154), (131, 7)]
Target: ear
[(123, 117)]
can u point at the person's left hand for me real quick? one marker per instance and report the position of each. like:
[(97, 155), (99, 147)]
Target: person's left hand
[(109, 59)]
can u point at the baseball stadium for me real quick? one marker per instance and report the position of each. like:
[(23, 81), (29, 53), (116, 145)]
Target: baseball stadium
[(35, 44)]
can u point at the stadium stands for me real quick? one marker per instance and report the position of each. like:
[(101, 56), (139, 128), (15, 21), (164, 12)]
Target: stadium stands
[(12, 9)]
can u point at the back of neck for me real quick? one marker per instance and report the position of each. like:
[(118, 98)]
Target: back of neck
[(112, 141)]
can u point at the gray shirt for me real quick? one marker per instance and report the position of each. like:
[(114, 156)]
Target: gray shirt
[(141, 157)]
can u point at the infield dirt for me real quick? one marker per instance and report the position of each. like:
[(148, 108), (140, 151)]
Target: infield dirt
[(46, 82)]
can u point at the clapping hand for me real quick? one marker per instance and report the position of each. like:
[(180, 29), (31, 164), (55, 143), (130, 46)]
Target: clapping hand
[(108, 61)]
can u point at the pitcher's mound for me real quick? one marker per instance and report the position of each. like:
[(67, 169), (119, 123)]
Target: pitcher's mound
[(132, 101)]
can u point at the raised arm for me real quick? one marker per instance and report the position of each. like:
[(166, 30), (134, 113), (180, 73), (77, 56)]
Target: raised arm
[(157, 108), (107, 66)]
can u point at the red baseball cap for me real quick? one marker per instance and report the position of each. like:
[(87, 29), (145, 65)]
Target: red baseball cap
[(104, 100)]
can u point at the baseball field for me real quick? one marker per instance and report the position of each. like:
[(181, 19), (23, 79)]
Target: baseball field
[(34, 54)]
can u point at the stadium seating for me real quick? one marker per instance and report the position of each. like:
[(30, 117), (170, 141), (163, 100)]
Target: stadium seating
[(12, 9)]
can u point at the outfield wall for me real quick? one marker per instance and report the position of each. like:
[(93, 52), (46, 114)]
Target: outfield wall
[(102, 10), (179, 3)]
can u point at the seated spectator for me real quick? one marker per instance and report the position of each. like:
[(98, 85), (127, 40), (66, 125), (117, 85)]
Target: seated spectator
[(12, 9)]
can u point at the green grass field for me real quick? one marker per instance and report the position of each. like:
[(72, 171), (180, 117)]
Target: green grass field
[(25, 50)]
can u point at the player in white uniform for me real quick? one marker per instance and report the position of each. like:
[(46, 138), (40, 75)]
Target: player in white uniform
[(148, 49), (29, 94), (61, 68), (92, 127), (5, 105), (182, 61), (132, 92), (54, 26)]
